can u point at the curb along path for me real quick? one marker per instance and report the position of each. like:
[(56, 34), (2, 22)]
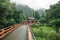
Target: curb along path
[(29, 32)]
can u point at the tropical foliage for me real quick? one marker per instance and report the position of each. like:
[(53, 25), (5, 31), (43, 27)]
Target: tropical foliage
[(9, 14)]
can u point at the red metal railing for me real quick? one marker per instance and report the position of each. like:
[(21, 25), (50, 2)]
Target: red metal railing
[(5, 31), (29, 34)]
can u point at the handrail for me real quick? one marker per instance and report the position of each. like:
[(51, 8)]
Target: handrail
[(29, 34), (7, 30), (32, 34)]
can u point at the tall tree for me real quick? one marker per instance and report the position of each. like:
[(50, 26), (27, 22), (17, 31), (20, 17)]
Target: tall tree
[(37, 16), (54, 15)]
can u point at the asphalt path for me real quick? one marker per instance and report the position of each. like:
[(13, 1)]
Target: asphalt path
[(18, 34)]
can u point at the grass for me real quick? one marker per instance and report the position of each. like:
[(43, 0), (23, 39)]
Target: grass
[(39, 38), (45, 29)]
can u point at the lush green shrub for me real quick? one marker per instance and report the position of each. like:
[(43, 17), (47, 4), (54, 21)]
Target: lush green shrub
[(52, 35), (56, 22), (11, 22), (1, 26), (43, 20)]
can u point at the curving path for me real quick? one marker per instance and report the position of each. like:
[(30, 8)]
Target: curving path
[(18, 34)]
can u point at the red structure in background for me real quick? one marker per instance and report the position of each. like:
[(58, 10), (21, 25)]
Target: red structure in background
[(28, 21)]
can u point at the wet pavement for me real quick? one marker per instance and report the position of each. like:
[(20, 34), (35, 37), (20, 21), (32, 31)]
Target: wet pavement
[(18, 34)]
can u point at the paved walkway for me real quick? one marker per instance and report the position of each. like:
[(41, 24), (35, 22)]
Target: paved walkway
[(18, 34)]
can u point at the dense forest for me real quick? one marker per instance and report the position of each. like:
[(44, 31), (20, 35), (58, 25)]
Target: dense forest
[(9, 14)]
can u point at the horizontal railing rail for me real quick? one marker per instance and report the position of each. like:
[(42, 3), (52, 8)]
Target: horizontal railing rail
[(32, 34), (7, 30)]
